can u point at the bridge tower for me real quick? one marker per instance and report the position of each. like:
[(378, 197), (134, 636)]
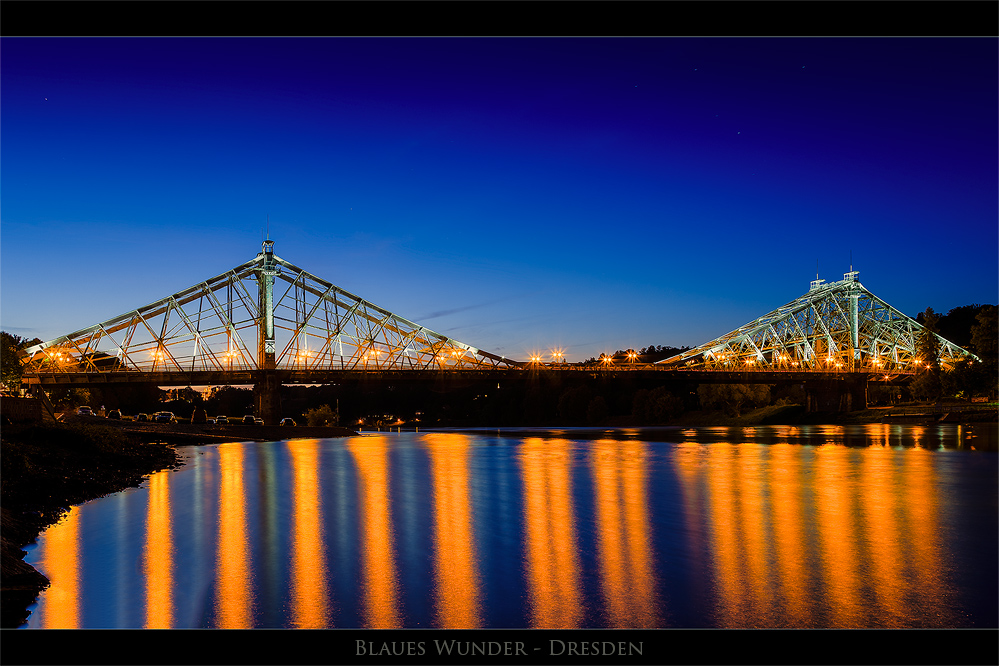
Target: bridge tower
[(267, 388), (265, 277)]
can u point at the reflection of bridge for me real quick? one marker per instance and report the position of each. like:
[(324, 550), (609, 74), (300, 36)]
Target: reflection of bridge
[(269, 322)]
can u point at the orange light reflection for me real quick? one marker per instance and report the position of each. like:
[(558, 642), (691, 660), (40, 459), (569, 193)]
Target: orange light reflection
[(553, 569), (159, 554), (62, 567), (309, 594), (835, 495), (735, 599), (880, 504), (786, 471), (628, 579), (927, 588), (233, 601), (380, 579), (456, 561)]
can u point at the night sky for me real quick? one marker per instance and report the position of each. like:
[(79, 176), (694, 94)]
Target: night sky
[(516, 194)]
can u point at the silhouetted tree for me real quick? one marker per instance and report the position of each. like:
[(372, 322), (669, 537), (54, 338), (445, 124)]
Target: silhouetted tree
[(927, 385), (573, 403), (324, 415), (663, 406), (11, 368), (640, 405), (732, 397), (956, 325), (596, 411), (65, 400), (985, 342), (230, 401)]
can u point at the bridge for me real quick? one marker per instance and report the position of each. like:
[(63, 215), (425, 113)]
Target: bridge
[(268, 322)]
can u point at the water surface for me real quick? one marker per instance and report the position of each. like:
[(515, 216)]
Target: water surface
[(819, 526)]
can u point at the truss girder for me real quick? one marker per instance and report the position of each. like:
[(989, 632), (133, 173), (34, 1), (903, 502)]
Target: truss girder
[(215, 326), (814, 332)]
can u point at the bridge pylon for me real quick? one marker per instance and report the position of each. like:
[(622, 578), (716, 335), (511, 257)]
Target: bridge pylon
[(837, 327), (834, 329), (262, 317)]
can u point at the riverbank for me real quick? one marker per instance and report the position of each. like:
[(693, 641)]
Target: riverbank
[(48, 468), (206, 433)]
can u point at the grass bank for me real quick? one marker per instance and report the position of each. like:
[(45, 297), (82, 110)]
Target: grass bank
[(48, 468)]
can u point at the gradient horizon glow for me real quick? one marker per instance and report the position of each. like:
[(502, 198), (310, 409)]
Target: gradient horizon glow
[(517, 194)]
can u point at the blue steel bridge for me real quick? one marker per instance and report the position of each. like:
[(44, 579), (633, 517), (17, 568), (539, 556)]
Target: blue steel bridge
[(268, 322)]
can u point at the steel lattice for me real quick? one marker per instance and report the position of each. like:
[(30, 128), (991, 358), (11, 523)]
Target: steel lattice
[(217, 326), (834, 327)]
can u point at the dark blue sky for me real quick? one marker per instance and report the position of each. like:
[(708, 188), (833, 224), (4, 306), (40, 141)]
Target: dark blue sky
[(515, 194)]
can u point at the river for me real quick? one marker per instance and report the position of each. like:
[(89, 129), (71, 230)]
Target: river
[(868, 526)]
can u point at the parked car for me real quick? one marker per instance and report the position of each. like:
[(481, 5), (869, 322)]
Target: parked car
[(248, 419), (114, 414), (258, 422), (221, 420), (163, 417), (142, 417), (288, 422), (210, 420), (85, 411)]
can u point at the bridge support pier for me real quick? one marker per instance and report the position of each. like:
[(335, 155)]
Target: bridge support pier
[(846, 395), (267, 397)]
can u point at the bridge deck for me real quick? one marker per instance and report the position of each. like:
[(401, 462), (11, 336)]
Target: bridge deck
[(217, 378)]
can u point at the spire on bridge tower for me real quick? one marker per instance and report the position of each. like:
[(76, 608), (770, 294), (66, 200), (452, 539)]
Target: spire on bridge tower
[(840, 326)]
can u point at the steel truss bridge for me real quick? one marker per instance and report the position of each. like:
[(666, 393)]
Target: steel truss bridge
[(269, 322)]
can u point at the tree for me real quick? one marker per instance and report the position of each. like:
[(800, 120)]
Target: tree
[(229, 400), (323, 415), (573, 404), (596, 411), (732, 397), (985, 341), (654, 353), (956, 325), (928, 385), (663, 406), (66, 400), (11, 369), (640, 405)]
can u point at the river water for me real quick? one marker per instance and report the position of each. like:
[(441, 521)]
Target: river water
[(809, 527)]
